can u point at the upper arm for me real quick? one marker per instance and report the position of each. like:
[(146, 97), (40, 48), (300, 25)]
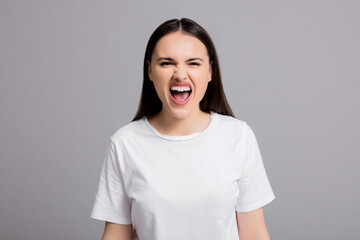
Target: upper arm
[(115, 231), (251, 225)]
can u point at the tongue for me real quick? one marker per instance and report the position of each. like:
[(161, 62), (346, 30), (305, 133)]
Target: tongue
[(180, 96)]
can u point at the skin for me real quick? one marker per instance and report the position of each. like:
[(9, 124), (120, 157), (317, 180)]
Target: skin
[(182, 120), (114, 231), (251, 225), (174, 119)]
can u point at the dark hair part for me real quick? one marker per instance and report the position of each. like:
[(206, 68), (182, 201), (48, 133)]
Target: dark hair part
[(214, 98)]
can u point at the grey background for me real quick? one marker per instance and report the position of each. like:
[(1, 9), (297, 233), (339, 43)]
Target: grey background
[(71, 75)]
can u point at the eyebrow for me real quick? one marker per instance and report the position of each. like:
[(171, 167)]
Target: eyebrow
[(170, 59)]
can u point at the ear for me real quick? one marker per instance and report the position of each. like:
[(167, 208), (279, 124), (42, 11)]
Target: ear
[(210, 72), (149, 70)]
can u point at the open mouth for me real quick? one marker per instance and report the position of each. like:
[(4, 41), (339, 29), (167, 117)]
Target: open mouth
[(180, 95)]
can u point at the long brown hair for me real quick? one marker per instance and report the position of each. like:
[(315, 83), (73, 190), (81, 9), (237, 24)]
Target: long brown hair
[(214, 98)]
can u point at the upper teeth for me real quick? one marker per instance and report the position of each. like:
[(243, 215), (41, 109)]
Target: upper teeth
[(180, 89)]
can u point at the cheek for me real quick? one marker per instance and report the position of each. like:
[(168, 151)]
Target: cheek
[(162, 76), (200, 79), (199, 75), (161, 82)]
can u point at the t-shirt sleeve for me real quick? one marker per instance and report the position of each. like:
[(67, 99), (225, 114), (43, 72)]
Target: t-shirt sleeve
[(112, 203), (254, 187)]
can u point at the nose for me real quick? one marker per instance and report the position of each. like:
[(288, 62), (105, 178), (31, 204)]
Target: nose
[(180, 73)]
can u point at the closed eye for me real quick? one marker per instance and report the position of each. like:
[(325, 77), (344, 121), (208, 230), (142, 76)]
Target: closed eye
[(165, 63), (170, 63)]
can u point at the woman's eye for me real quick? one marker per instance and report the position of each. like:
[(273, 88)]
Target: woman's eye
[(195, 63), (165, 63)]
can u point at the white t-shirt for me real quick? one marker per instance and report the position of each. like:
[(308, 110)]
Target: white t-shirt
[(182, 187)]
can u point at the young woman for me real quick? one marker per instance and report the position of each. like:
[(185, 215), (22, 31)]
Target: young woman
[(185, 168)]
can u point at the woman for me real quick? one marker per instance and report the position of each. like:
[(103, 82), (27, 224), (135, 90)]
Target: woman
[(185, 167)]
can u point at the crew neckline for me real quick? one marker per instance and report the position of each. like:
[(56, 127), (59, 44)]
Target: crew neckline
[(184, 137)]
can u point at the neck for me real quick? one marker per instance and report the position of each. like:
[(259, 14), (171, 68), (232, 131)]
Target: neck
[(167, 124)]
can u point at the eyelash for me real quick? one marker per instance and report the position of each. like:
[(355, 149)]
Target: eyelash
[(168, 63)]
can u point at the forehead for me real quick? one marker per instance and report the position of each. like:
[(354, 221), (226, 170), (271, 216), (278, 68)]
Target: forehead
[(178, 45)]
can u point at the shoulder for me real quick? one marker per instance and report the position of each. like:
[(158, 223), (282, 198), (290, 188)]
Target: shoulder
[(233, 123), (128, 131), (235, 127)]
